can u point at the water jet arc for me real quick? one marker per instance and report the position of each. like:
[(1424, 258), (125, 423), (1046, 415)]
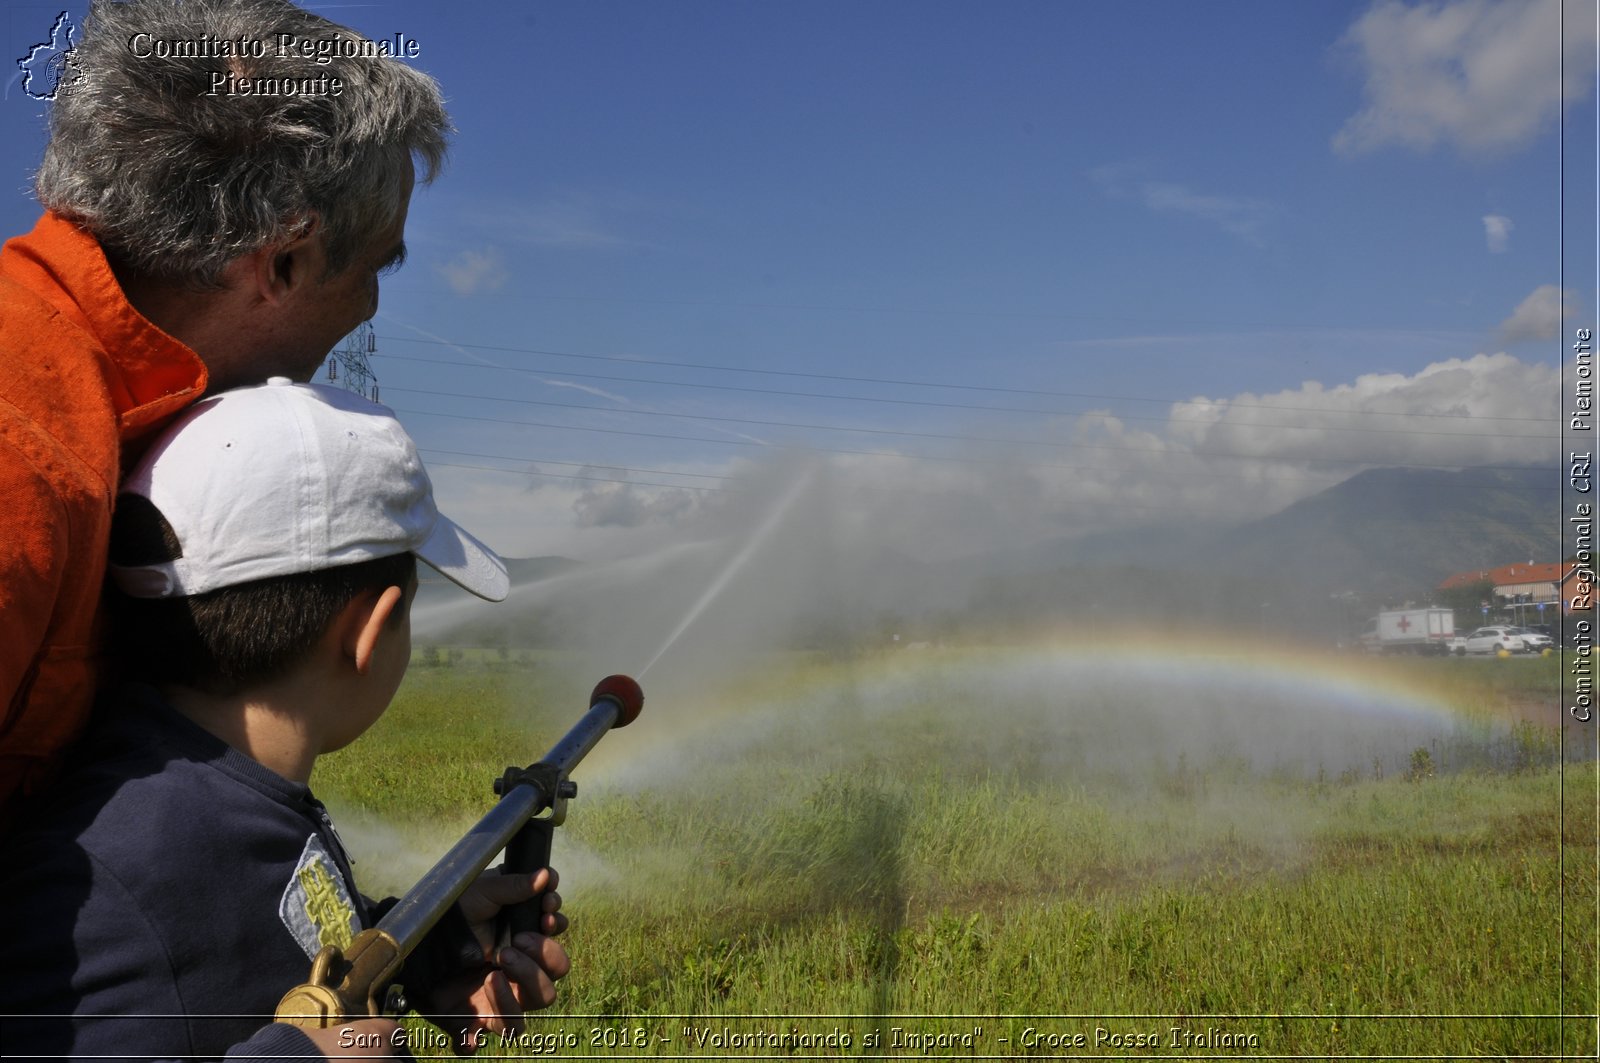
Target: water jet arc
[(716, 587)]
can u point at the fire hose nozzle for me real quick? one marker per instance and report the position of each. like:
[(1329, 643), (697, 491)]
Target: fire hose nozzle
[(625, 692)]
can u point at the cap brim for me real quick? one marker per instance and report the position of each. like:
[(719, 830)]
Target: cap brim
[(465, 561)]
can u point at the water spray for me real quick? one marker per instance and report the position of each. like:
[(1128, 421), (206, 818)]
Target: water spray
[(742, 558)]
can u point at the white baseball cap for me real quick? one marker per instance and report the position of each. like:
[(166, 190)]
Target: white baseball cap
[(282, 478)]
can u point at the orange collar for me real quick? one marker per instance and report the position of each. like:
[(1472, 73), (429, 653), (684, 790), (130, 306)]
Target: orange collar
[(150, 375)]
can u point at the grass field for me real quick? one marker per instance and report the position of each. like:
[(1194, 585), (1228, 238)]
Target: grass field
[(1035, 852)]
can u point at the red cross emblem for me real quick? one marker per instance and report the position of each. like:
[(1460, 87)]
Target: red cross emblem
[(1405, 624)]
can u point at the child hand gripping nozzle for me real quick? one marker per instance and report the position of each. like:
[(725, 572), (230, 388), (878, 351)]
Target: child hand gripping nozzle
[(360, 981)]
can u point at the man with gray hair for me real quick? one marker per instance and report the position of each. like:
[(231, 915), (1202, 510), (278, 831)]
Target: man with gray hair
[(224, 182)]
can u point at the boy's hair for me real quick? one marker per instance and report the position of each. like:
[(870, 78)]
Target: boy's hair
[(234, 638)]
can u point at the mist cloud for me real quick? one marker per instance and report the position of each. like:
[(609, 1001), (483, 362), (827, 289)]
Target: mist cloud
[(626, 506), (829, 543)]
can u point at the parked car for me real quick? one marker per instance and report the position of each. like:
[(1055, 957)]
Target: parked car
[(1534, 641), (1491, 640)]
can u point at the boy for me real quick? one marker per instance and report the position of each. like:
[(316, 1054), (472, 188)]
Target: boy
[(180, 878)]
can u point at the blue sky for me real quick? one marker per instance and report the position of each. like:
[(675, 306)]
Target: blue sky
[(1031, 231)]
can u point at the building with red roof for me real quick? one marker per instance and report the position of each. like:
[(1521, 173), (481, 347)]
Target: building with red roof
[(1522, 583)]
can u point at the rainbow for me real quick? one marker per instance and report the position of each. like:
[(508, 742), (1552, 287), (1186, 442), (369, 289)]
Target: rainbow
[(1353, 683), (1112, 701)]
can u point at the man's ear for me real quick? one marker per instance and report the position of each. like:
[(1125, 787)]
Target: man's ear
[(280, 269), (364, 622)]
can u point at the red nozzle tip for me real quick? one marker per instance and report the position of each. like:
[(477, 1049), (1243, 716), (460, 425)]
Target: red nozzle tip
[(625, 692)]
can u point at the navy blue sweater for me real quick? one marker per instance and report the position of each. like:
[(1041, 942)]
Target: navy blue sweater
[(163, 898)]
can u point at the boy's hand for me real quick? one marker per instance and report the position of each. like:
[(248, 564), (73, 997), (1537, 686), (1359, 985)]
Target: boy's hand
[(522, 976)]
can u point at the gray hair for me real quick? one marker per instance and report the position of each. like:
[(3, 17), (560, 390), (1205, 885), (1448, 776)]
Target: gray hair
[(176, 179)]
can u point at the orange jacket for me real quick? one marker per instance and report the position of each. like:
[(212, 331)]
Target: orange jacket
[(81, 373)]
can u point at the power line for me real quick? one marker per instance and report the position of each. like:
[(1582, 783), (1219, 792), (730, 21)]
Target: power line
[(972, 406), (1030, 466), (765, 423), (1185, 508), (583, 465), (624, 467), (880, 454), (1035, 392), (568, 476)]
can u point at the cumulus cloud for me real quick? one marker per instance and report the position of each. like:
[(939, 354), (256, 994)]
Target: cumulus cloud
[(472, 272), (1497, 230), (1482, 75), (1205, 461), (1211, 461), (1240, 216), (1539, 316), (1487, 409)]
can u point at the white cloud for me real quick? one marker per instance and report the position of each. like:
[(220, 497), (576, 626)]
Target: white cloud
[(1482, 75), (1539, 316), (472, 272), (1210, 461), (1487, 409), (1497, 229), (1240, 216)]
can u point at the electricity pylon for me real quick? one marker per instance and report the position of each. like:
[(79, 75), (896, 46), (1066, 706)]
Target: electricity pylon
[(349, 360)]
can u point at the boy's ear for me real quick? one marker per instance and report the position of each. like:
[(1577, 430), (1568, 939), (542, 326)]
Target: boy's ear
[(366, 617)]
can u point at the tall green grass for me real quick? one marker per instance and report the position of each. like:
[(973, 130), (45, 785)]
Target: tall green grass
[(814, 861)]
